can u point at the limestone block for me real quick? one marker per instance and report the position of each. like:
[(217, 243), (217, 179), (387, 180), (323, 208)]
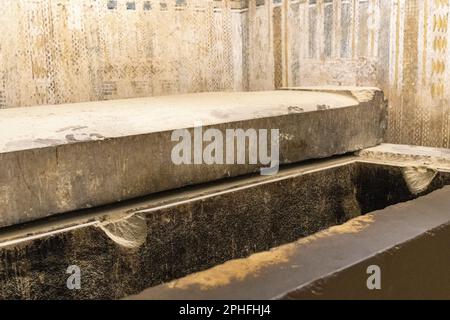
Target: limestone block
[(56, 159)]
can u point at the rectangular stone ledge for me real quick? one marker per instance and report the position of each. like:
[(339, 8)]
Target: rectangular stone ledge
[(406, 155), (57, 159)]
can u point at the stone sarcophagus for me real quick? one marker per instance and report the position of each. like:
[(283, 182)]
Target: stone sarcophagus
[(57, 159)]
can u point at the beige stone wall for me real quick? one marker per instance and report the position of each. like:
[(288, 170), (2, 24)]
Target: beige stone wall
[(398, 45), (56, 51)]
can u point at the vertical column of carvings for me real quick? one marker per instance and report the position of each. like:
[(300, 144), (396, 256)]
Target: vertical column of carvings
[(328, 27), (285, 40), (313, 14), (245, 20), (154, 10), (366, 30), (437, 129), (215, 12), (337, 6), (363, 41), (2, 91), (383, 45), (70, 42), (374, 27), (10, 43), (395, 75), (133, 54), (277, 44), (320, 31), (100, 39), (140, 14), (354, 29), (209, 41), (239, 16), (55, 86), (165, 58), (300, 63), (249, 47), (196, 11), (43, 84), (61, 47), (346, 19), (261, 44), (111, 43), (92, 48), (227, 39), (445, 102), (439, 48), (424, 99), (130, 83), (21, 87), (432, 95), (219, 42), (304, 48), (183, 38), (410, 129), (3, 58), (294, 42)]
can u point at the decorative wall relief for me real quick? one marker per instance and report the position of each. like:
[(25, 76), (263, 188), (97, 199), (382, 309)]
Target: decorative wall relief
[(61, 51)]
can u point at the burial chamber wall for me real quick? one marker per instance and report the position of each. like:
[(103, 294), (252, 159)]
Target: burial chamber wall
[(62, 51)]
